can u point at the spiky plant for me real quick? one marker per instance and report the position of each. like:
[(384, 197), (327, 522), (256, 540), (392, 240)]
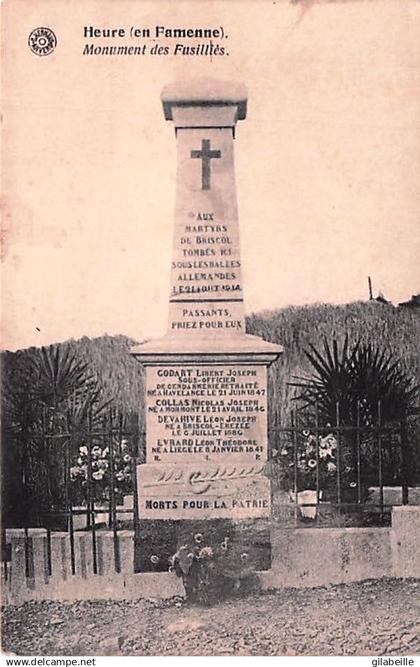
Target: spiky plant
[(363, 378), (379, 382), (47, 392), (60, 374)]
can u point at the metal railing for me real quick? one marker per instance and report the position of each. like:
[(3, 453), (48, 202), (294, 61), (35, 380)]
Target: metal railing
[(371, 455), (47, 472), (65, 487)]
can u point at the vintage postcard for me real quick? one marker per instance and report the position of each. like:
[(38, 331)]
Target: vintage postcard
[(210, 329)]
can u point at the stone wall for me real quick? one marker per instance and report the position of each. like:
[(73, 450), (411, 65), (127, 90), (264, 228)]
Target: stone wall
[(300, 558), (320, 556), (405, 541), (84, 584)]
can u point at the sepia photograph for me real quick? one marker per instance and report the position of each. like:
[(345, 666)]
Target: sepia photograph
[(210, 328)]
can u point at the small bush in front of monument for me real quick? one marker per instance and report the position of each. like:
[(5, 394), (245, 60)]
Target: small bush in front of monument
[(207, 572)]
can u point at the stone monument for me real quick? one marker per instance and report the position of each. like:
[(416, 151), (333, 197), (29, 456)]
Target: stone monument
[(206, 379)]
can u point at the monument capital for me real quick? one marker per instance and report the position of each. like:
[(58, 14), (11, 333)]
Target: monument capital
[(204, 103)]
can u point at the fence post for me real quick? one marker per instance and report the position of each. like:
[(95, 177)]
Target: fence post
[(112, 498), (317, 457), (337, 421), (68, 501), (295, 459), (91, 495), (380, 475), (359, 482), (135, 434), (404, 461), (19, 569)]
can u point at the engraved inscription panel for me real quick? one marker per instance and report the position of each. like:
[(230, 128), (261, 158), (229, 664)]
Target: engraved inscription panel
[(204, 491), (206, 413)]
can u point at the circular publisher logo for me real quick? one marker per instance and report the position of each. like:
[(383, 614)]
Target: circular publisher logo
[(42, 41)]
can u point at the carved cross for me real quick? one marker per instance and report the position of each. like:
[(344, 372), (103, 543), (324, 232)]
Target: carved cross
[(205, 155)]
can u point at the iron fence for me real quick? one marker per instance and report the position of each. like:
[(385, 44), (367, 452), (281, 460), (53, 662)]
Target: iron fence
[(63, 487), (361, 458), (70, 471)]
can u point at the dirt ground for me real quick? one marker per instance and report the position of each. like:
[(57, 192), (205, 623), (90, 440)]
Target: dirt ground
[(367, 618)]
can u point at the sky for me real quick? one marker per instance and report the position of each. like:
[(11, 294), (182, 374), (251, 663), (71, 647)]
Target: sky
[(327, 160)]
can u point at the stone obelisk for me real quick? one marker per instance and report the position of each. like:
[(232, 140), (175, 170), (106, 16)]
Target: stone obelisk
[(206, 288), (206, 379)]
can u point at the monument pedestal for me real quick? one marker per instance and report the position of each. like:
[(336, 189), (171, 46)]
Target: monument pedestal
[(206, 407)]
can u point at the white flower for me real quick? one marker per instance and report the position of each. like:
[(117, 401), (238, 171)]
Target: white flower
[(83, 450), (284, 452), (154, 559), (120, 476), (244, 556), (205, 552), (96, 451), (74, 472), (312, 463), (127, 458), (80, 461), (332, 441), (98, 474), (198, 538), (305, 433), (353, 485), (331, 466), (274, 453)]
